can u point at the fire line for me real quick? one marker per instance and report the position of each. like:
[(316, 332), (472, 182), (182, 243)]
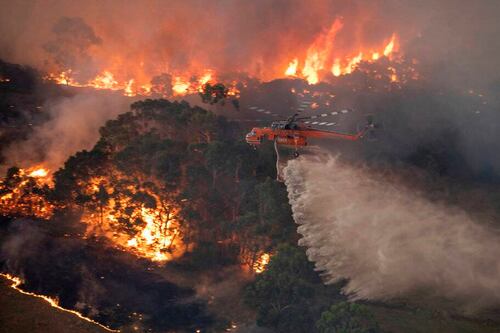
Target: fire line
[(16, 282)]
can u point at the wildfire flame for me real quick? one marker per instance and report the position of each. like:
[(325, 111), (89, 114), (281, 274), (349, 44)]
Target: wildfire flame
[(153, 233), (292, 68), (20, 196), (321, 60), (16, 282), (39, 173), (261, 263), (189, 83), (321, 55)]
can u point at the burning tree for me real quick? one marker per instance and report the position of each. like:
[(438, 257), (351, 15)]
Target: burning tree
[(164, 179), (25, 193), (167, 178)]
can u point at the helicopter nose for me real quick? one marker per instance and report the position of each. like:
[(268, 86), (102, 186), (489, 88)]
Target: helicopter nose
[(252, 139)]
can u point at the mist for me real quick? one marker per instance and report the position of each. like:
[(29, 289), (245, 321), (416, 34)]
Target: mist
[(387, 240)]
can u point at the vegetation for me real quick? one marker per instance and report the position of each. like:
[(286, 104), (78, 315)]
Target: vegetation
[(347, 317), (283, 295), (213, 200)]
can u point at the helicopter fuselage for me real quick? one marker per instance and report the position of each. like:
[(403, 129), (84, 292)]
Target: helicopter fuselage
[(297, 137)]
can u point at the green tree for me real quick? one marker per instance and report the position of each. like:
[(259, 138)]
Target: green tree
[(284, 292), (346, 317)]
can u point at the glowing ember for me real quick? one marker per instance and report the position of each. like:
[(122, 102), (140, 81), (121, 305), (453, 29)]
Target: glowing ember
[(260, 264), (16, 282)]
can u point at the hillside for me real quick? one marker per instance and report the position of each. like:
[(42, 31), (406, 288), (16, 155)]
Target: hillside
[(23, 313)]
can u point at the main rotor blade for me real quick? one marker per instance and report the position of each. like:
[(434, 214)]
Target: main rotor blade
[(304, 105), (324, 123), (263, 111), (322, 115)]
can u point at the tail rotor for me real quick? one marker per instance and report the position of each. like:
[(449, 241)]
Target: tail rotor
[(371, 128)]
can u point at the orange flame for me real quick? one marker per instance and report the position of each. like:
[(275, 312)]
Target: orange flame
[(155, 233), (16, 282), (39, 173), (261, 263), (292, 67), (22, 199), (321, 55)]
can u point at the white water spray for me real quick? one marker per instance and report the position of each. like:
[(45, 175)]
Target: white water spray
[(388, 241)]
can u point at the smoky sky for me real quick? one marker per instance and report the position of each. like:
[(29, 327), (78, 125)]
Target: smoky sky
[(258, 37)]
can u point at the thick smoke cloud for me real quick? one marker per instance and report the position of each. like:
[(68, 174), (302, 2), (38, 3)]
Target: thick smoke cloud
[(74, 125), (257, 37), (457, 38), (70, 46), (387, 240)]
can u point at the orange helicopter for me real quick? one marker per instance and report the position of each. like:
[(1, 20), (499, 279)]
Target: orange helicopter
[(295, 131)]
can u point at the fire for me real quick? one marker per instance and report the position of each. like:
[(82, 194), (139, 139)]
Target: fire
[(39, 173), (336, 70), (319, 53), (207, 77), (128, 88), (322, 55), (261, 263), (182, 84), (324, 58), (353, 63), (390, 47), (21, 193), (292, 67), (149, 230), (152, 242), (16, 282), (105, 81)]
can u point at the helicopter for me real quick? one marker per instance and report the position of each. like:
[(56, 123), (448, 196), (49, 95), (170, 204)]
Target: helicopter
[(294, 131)]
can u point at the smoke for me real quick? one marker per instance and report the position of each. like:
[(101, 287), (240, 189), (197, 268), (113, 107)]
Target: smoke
[(71, 43), (387, 240), (230, 35), (25, 244), (103, 283), (456, 40), (74, 125)]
